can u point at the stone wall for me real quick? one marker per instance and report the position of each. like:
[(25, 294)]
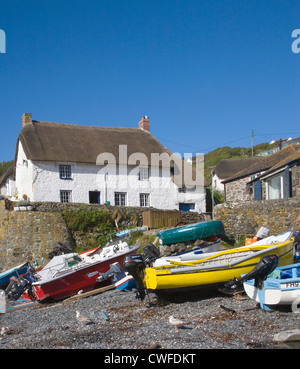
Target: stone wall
[(245, 218), (31, 235), (237, 190), (295, 174)]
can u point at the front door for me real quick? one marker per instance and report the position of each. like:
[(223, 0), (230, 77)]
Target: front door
[(94, 197)]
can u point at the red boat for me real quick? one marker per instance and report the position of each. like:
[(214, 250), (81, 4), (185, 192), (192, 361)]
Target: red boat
[(66, 275)]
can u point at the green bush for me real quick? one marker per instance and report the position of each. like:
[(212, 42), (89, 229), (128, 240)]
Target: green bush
[(84, 219)]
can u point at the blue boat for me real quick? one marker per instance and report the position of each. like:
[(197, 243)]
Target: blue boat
[(13, 272), (282, 287), (126, 232), (124, 281)]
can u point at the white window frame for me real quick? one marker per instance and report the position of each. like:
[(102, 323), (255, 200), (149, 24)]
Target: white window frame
[(280, 176), (144, 174), (144, 200), (65, 196), (65, 171), (120, 198)]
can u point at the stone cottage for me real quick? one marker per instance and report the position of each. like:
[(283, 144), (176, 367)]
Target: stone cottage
[(272, 177), (226, 168)]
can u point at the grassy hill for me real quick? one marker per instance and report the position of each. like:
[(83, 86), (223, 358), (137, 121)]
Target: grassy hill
[(4, 166)]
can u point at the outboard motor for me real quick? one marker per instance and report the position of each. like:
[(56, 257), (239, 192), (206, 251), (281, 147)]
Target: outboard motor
[(135, 265), (296, 236), (260, 273), (18, 285), (113, 270), (151, 253)]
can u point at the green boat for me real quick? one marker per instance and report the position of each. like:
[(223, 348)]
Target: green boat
[(191, 232)]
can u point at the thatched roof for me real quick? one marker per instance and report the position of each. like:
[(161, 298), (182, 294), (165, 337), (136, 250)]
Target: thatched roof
[(228, 167), (47, 141)]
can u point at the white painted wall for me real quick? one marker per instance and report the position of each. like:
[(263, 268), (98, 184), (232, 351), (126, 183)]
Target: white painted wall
[(7, 189), (217, 182), (24, 175), (40, 181)]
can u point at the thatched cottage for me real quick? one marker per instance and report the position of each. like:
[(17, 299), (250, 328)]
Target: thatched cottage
[(89, 164)]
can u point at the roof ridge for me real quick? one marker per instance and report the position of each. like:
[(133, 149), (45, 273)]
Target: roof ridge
[(71, 125)]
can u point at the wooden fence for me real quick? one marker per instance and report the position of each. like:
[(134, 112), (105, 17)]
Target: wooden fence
[(161, 218)]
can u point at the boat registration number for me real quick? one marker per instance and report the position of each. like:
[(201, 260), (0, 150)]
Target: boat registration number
[(292, 285), (90, 275)]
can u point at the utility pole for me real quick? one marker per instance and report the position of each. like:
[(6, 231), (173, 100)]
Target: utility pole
[(252, 142)]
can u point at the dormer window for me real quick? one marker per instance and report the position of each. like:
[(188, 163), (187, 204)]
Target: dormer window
[(65, 171)]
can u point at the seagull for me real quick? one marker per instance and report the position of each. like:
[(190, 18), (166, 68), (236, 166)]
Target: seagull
[(176, 322), (5, 330), (83, 319)]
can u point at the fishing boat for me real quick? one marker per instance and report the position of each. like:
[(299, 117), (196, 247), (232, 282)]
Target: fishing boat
[(193, 254), (211, 270), (124, 281), (191, 232), (67, 274), (13, 272), (281, 287)]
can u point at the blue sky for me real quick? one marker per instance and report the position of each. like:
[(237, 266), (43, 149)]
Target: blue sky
[(207, 73)]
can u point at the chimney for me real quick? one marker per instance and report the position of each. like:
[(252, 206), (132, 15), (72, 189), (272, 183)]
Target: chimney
[(26, 118), (144, 123)]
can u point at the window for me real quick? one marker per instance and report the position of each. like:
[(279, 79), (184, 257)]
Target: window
[(65, 196), (65, 171), (275, 187), (186, 207), (144, 174), (144, 199), (120, 198)]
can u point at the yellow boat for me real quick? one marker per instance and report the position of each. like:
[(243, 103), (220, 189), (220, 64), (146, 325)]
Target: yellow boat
[(211, 270)]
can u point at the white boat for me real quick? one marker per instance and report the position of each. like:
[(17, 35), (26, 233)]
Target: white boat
[(190, 255), (282, 287), (109, 251), (272, 239)]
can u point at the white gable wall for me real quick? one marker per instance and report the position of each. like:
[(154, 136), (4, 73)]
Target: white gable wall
[(24, 175), (217, 182)]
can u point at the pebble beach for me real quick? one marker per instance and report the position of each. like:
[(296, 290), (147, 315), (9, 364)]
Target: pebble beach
[(117, 320)]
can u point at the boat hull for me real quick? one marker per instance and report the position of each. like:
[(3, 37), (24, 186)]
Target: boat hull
[(191, 232), (211, 272), (126, 283), (83, 278), (127, 232), (13, 272), (277, 291)]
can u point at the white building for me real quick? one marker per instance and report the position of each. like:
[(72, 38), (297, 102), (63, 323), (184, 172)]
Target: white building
[(7, 183), (119, 166)]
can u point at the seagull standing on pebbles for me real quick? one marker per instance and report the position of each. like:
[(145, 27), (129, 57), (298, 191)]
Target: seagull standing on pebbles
[(176, 322), (83, 319)]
